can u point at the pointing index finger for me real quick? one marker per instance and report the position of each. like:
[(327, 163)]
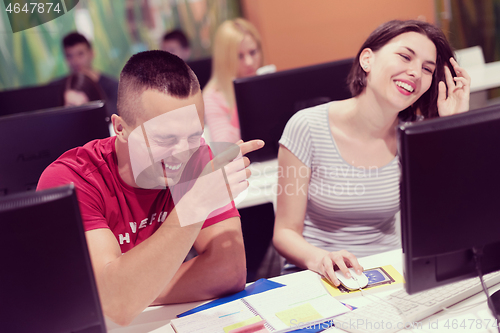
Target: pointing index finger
[(249, 146)]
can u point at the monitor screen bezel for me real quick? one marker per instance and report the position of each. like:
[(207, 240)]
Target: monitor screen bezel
[(449, 264)]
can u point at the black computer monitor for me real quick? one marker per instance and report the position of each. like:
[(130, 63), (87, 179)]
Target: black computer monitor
[(203, 70), (46, 281), (31, 98), (30, 141), (265, 103), (450, 197)]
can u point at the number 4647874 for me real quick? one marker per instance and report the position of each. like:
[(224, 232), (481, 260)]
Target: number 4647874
[(470, 324), (36, 7)]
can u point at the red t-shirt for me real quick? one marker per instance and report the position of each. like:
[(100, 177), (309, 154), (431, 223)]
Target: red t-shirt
[(106, 201)]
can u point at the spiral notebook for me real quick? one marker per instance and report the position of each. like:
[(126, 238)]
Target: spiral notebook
[(283, 309)]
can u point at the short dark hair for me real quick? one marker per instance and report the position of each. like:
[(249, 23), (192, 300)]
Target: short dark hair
[(177, 35), (427, 103), (158, 70), (74, 38)]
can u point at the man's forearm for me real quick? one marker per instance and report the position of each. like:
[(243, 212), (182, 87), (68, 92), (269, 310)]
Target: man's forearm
[(219, 270), (128, 283)]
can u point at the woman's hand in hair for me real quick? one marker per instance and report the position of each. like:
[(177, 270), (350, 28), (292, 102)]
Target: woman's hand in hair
[(457, 98)]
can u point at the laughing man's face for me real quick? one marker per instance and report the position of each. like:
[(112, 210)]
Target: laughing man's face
[(167, 134)]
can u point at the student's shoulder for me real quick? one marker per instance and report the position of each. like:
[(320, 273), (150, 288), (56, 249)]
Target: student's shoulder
[(211, 93), (315, 110), (58, 81), (78, 164), (106, 80), (311, 114)]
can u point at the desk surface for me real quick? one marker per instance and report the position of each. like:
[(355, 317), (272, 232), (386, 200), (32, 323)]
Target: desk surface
[(157, 319), (262, 183)]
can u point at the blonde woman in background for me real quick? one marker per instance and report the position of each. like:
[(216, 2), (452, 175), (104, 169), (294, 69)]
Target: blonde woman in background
[(237, 53)]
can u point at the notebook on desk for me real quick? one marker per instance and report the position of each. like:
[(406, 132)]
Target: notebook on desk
[(283, 309)]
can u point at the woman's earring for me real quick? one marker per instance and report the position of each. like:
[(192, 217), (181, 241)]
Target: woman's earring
[(365, 67)]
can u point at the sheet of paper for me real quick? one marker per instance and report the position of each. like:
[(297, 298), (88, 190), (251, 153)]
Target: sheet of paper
[(302, 313), (275, 301), (214, 319)]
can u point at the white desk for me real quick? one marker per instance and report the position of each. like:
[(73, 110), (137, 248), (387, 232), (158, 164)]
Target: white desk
[(263, 185), (156, 319), (485, 76)]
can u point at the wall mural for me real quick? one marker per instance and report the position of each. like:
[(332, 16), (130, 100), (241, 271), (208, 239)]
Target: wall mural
[(116, 28)]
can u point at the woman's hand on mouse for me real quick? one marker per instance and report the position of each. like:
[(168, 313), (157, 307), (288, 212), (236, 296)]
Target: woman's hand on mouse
[(458, 97), (342, 259)]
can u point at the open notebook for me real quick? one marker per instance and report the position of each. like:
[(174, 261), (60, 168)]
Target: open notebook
[(282, 309)]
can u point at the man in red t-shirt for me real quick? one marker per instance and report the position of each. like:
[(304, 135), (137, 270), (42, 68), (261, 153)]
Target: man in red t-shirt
[(138, 228)]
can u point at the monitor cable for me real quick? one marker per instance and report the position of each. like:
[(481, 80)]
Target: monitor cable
[(478, 253)]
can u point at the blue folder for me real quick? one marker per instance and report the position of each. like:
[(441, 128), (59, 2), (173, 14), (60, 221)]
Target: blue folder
[(257, 287)]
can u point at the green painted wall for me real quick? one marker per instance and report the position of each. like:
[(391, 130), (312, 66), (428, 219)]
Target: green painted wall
[(120, 28)]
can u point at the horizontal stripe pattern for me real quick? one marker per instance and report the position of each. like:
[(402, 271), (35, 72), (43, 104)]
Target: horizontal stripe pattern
[(218, 118), (348, 207)]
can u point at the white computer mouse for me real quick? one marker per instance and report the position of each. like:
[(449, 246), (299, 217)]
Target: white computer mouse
[(355, 282)]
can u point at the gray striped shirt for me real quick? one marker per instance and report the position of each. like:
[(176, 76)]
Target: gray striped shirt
[(348, 207)]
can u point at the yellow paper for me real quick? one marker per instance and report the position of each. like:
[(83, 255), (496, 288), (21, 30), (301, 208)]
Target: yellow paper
[(335, 292), (300, 314), (243, 323)]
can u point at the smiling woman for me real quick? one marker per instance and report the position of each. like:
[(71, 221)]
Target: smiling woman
[(439, 60), (398, 64), (404, 70)]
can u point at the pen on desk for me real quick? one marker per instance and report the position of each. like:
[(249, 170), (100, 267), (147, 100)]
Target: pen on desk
[(257, 327)]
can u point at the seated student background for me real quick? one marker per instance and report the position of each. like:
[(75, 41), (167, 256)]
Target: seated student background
[(80, 89), (237, 53), (177, 43), (134, 230), (79, 56), (337, 162)]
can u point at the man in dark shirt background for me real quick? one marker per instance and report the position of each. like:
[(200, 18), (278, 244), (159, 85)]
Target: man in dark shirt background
[(79, 56)]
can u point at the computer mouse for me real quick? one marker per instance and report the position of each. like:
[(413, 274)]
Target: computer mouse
[(355, 282)]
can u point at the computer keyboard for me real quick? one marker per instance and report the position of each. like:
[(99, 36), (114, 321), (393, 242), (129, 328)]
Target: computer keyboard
[(400, 310)]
